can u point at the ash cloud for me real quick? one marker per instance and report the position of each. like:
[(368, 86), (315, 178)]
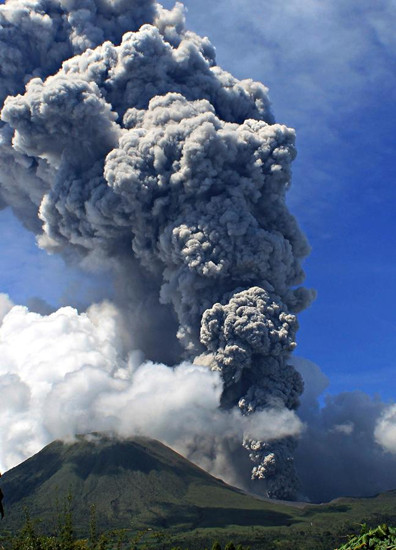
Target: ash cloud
[(35, 38), (128, 147)]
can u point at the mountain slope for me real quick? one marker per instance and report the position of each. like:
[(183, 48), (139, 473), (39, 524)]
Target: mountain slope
[(137, 482), (140, 483)]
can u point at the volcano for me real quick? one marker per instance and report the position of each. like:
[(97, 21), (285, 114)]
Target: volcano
[(133, 483)]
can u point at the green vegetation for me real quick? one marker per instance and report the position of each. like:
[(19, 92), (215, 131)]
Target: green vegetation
[(380, 538), (32, 536)]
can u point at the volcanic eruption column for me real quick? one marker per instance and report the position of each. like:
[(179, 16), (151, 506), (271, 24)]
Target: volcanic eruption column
[(122, 140)]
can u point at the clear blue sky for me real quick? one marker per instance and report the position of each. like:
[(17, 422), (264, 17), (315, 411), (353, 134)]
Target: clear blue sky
[(330, 68)]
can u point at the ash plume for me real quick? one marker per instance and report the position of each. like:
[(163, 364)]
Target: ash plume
[(126, 145)]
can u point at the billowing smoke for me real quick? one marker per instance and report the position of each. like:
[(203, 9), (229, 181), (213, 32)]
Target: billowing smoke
[(126, 145)]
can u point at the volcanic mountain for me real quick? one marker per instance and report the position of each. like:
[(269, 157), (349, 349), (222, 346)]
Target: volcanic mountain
[(139, 483), (135, 483)]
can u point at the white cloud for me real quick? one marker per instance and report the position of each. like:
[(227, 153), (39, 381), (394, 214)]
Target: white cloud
[(5, 305), (385, 430)]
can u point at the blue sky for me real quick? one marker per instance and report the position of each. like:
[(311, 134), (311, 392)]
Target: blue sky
[(330, 69)]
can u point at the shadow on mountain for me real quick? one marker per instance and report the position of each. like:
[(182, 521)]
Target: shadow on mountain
[(29, 477), (215, 517)]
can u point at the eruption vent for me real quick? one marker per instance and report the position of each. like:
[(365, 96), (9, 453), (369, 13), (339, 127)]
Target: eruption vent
[(124, 144)]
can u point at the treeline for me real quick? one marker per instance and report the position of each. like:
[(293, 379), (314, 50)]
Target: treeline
[(64, 537), (382, 537)]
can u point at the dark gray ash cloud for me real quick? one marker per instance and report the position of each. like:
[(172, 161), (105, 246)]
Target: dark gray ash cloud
[(127, 145)]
